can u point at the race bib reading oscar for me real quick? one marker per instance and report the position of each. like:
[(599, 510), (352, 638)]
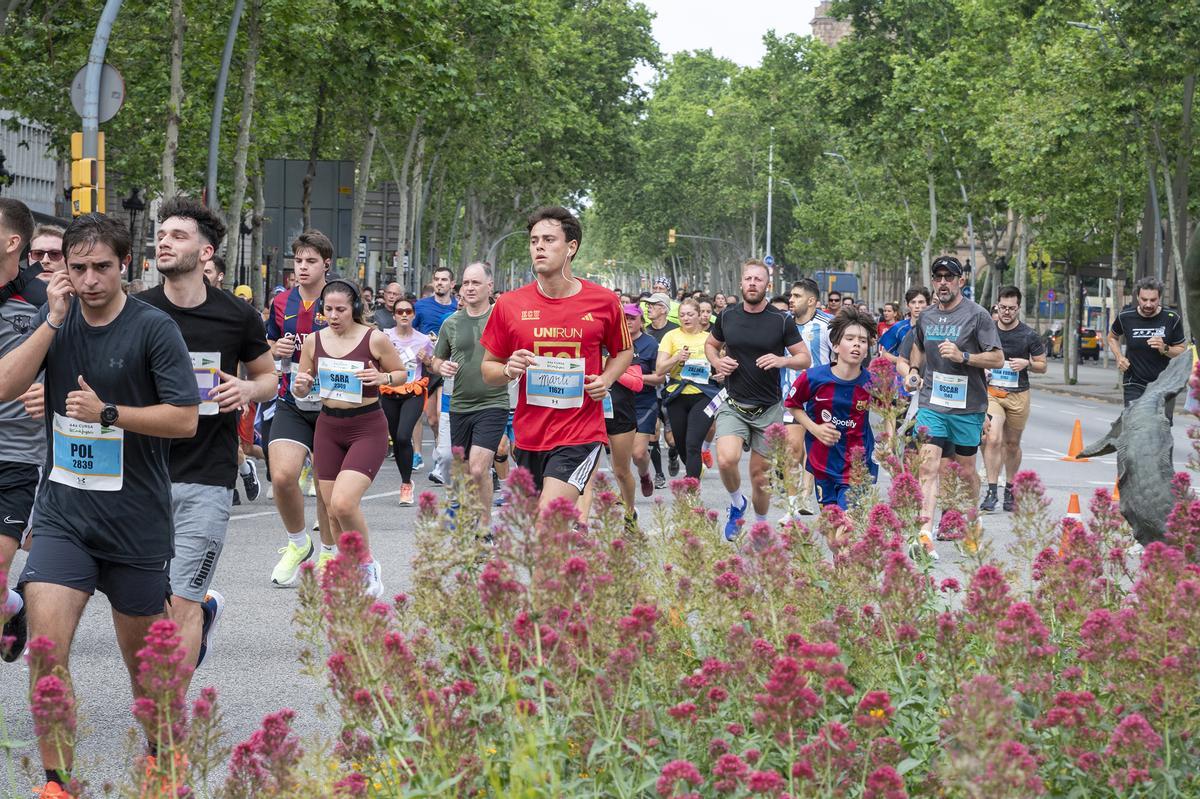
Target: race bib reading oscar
[(555, 382), (339, 379)]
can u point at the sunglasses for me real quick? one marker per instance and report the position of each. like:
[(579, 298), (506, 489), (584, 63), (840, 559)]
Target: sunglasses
[(403, 312), (45, 255), (944, 277)]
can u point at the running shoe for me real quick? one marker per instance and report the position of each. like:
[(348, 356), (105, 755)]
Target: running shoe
[(236, 499), (1009, 501), (53, 790), (418, 462), (927, 543), (660, 482), (734, 523), (287, 570), (16, 628), (323, 561), (647, 484), (495, 481), (672, 463), (406, 495), (250, 482), (989, 502), (436, 479), (211, 609), (372, 579), (706, 458), (316, 526)]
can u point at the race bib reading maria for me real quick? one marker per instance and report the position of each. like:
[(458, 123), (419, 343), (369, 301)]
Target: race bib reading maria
[(206, 365), (339, 379), (555, 382), (949, 391), (88, 456)]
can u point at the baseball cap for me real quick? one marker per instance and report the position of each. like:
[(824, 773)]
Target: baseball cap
[(243, 292), (658, 298), (632, 309), (662, 281), (949, 263)]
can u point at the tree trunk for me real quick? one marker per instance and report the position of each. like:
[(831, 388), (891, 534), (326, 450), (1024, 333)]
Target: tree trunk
[(414, 235), (927, 250), (1191, 281), (1022, 269), (314, 152), (174, 101), (1183, 165), (249, 72), (362, 185), (256, 236)]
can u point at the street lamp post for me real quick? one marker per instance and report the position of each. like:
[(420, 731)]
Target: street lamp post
[(134, 204), (770, 196)]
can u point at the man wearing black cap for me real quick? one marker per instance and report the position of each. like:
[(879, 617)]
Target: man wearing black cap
[(955, 340)]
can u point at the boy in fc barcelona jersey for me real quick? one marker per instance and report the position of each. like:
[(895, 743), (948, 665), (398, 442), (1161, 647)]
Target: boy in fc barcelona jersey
[(831, 403)]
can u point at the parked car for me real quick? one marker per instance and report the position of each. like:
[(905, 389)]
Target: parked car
[(1089, 344)]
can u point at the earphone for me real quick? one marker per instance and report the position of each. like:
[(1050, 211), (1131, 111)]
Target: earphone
[(356, 305)]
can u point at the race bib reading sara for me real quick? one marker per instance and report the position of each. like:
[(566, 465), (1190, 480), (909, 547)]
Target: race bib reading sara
[(88, 456), (339, 379), (555, 382)]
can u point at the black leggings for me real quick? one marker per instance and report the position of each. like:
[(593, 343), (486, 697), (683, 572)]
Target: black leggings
[(690, 425), (403, 411)]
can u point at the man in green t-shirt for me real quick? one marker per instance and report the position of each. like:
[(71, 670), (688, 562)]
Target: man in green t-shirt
[(478, 412)]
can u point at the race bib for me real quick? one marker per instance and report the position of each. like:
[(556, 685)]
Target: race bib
[(696, 370), (1006, 377), (447, 392), (949, 391), (608, 406), (338, 379), (411, 372), (312, 401), (206, 365), (88, 456), (555, 382)]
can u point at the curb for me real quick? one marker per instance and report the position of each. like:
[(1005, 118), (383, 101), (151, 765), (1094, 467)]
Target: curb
[(1066, 392)]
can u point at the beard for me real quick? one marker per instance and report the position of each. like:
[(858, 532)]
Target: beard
[(752, 296), (185, 263)]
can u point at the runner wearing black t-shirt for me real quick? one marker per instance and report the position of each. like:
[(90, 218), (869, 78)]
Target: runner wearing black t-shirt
[(753, 334), (221, 332), (1153, 336), (657, 325), (118, 386)]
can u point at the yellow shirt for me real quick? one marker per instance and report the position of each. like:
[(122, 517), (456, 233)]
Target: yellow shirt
[(675, 341)]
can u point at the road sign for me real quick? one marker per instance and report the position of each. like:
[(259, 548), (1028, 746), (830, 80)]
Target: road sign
[(769, 260), (362, 248), (112, 92), (1050, 295)]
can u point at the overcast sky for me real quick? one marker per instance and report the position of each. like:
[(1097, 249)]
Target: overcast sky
[(732, 29)]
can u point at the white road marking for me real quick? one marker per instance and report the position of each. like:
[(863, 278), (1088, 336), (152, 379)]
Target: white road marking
[(273, 512)]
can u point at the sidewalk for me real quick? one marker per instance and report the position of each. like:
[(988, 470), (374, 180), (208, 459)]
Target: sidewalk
[(1094, 383)]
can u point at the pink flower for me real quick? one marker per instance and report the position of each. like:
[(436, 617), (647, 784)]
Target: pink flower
[(874, 710), (885, 783), (675, 771), (765, 782), (682, 711)]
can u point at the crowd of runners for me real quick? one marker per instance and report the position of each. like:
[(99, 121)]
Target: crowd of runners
[(132, 419)]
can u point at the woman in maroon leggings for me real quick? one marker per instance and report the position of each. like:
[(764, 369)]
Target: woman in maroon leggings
[(347, 362)]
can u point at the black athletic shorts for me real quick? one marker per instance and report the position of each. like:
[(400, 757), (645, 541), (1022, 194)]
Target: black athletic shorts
[(624, 419), (482, 428), (18, 485), (59, 559), (572, 464), (294, 425)]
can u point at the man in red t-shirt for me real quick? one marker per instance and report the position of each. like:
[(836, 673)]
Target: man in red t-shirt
[(550, 335)]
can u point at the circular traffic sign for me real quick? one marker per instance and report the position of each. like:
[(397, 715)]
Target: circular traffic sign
[(112, 92), (769, 260)]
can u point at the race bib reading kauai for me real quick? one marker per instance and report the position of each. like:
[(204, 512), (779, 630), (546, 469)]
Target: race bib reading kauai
[(206, 365), (339, 379), (949, 391), (87, 456), (555, 382)]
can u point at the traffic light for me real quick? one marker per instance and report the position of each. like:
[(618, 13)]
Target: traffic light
[(87, 178), (671, 237)]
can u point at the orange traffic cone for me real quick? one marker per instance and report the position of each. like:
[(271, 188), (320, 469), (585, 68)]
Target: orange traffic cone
[(1073, 512), (1076, 445)]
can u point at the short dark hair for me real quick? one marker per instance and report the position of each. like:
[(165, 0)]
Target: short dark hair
[(1010, 291), (831, 292), (210, 225), (808, 286), (92, 229), (218, 263), (778, 298), (314, 240), (917, 291), (895, 307), (570, 223), (351, 290), (16, 217), (445, 269), (1148, 283), (851, 316)]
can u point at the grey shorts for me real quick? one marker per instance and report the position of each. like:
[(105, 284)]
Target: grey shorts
[(753, 431), (201, 514)]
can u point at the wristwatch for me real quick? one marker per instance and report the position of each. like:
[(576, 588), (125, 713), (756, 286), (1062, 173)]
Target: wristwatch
[(966, 359), (108, 415)]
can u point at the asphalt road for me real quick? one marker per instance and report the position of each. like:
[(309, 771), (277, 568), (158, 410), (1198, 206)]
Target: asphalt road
[(253, 658)]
